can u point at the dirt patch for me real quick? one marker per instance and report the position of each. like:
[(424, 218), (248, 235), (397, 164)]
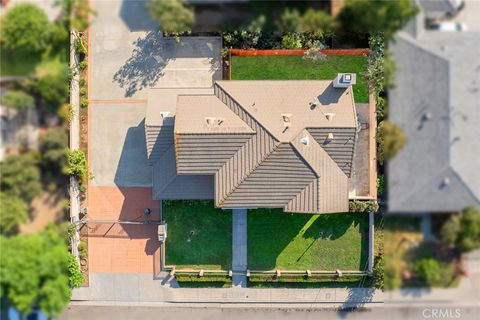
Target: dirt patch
[(46, 208)]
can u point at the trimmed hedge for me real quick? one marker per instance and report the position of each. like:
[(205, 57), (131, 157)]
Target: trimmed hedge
[(205, 278)]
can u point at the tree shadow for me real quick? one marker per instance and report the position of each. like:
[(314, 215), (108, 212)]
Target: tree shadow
[(145, 66), (135, 15), (153, 52), (271, 232), (356, 299)]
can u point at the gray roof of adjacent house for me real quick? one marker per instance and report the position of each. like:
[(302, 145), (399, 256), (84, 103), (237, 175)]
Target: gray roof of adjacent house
[(250, 144), (436, 101)]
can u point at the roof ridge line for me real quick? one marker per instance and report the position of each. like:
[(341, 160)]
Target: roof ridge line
[(251, 171)]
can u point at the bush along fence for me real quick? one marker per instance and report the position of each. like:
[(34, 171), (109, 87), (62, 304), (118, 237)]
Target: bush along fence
[(297, 52), (259, 276)]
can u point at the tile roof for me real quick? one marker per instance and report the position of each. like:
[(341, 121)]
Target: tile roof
[(238, 137)]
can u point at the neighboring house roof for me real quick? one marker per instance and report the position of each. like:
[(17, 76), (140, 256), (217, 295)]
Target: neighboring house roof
[(436, 103), (261, 144)]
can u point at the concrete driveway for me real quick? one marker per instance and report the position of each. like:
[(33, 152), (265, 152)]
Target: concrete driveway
[(129, 56)]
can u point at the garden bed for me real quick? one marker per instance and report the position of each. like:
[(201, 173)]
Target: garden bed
[(199, 236), (298, 68), (285, 241)]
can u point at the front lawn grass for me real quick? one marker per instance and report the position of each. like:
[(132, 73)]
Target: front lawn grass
[(278, 240), (297, 68), (199, 235)]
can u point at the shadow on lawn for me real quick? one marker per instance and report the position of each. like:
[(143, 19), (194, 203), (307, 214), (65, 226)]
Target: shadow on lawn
[(271, 231)]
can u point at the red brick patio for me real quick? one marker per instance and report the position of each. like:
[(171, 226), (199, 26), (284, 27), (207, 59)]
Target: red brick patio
[(122, 248)]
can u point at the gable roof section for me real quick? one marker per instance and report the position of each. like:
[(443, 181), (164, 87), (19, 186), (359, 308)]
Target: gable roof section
[(435, 102)]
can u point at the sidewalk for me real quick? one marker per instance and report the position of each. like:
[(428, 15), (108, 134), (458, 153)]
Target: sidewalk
[(140, 289)]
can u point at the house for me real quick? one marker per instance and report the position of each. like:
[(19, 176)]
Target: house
[(255, 144), (435, 101)]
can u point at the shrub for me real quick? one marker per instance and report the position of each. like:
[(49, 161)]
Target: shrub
[(289, 21), (380, 184), (18, 99), (315, 54), (21, 176), (76, 164), (83, 91), (25, 29), (291, 41), (390, 140), (13, 213), (65, 113), (463, 231), (393, 275), (75, 276), (362, 206), (378, 272), (83, 65), (429, 270), (382, 109), (83, 102), (172, 15), (82, 249)]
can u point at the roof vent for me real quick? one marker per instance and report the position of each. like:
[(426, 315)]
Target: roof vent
[(313, 103), (329, 116), (305, 141), (213, 121), (330, 136), (164, 114), (445, 182), (287, 119), (427, 116), (344, 80)]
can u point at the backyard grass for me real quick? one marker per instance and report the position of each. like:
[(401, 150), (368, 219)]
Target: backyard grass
[(297, 68), (285, 241), (199, 235)]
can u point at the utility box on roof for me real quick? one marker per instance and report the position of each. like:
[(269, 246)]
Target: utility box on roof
[(344, 80)]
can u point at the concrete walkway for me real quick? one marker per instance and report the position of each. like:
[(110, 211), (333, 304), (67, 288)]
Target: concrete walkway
[(239, 248)]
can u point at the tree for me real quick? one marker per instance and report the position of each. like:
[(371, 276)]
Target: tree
[(18, 99), (289, 21), (36, 271), (318, 22), (25, 29), (13, 212), (463, 231), (53, 146), (390, 140), (21, 176), (75, 14), (53, 89), (429, 270), (373, 16), (172, 15)]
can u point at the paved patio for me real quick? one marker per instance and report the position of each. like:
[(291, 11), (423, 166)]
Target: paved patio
[(122, 248)]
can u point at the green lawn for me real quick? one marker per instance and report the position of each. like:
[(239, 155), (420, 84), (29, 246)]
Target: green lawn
[(297, 68), (199, 235), (303, 241)]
